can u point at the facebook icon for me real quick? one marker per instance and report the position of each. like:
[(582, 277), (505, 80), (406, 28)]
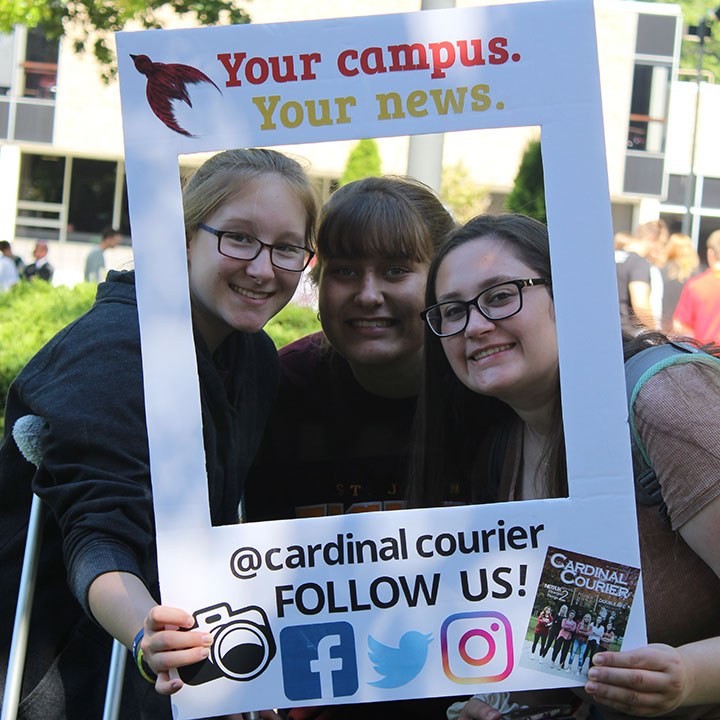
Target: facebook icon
[(318, 661)]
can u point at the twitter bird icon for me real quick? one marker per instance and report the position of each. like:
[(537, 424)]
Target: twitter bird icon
[(401, 664)]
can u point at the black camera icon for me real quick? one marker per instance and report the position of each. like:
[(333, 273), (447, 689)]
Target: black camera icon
[(242, 648)]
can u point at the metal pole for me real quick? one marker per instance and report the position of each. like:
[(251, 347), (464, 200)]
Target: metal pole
[(116, 674), (425, 151), (21, 626), (703, 29)]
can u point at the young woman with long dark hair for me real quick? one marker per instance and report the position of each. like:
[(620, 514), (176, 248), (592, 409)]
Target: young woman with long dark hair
[(491, 366), (339, 436)]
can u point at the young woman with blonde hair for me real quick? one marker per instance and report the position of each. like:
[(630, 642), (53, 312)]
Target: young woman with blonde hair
[(249, 224)]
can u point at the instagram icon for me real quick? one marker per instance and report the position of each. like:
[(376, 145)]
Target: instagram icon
[(476, 647)]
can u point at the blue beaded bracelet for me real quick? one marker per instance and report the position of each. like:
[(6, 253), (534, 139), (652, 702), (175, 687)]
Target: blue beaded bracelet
[(137, 653)]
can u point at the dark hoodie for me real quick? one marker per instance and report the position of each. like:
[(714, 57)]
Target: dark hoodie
[(95, 484)]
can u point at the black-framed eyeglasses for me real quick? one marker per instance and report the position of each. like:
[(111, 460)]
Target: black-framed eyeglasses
[(497, 302), (242, 246)]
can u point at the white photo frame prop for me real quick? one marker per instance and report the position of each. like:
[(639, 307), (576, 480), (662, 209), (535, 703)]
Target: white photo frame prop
[(399, 604)]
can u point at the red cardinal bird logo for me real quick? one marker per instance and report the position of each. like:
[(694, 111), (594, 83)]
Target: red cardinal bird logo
[(166, 82)]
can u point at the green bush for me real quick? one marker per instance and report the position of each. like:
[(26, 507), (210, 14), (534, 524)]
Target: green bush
[(293, 322), (32, 313)]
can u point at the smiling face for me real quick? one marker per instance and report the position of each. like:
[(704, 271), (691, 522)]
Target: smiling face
[(515, 359), (369, 309), (228, 294)]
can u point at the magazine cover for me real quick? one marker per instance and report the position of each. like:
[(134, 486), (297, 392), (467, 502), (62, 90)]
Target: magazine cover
[(581, 607)]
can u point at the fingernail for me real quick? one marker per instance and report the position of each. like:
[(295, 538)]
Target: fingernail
[(189, 621), (204, 652), (598, 660), (175, 686), (207, 639), (591, 688), (593, 674)]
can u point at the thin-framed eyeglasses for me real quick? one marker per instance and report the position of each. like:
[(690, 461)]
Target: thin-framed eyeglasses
[(497, 302), (242, 246)]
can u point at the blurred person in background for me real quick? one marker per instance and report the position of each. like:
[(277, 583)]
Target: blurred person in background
[(95, 262), (6, 250), (652, 240), (633, 276), (8, 269), (41, 268), (698, 311), (681, 263)]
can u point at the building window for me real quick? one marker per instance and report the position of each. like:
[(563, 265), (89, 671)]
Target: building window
[(676, 190), (649, 108), (92, 194), (41, 178), (656, 35), (705, 207), (66, 198), (28, 78), (40, 196), (711, 193), (40, 66)]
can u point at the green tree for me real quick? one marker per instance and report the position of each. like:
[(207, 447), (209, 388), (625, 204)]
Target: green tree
[(363, 161), (89, 24), (461, 194), (528, 194), (693, 12)]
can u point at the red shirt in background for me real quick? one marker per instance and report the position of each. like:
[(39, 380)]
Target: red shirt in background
[(699, 306)]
